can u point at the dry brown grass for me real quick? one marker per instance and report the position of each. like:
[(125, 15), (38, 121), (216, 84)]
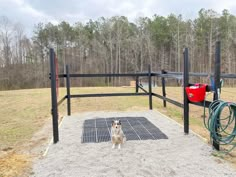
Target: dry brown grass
[(14, 164), (25, 112)]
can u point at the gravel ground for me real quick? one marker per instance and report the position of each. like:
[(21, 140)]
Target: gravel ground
[(180, 155)]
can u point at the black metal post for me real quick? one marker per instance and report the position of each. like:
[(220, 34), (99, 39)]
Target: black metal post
[(68, 90), (163, 83), (136, 84), (54, 97), (217, 88), (186, 84), (150, 86)]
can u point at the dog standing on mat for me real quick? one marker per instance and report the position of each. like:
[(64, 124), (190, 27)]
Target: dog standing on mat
[(117, 135)]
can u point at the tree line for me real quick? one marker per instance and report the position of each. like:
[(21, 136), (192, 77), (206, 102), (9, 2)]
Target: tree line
[(115, 45)]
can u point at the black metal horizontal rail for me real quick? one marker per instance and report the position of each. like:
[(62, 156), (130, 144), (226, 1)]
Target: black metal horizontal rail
[(202, 104), (107, 94), (176, 103), (228, 76), (174, 74), (167, 75), (105, 75), (61, 101)]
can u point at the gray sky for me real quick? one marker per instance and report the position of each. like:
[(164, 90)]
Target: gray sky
[(30, 12)]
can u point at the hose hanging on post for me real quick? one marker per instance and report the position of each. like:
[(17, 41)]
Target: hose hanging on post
[(227, 125)]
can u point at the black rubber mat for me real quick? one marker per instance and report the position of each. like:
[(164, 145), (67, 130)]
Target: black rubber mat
[(134, 128)]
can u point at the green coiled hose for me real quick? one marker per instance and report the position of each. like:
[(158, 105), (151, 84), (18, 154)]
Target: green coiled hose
[(222, 129)]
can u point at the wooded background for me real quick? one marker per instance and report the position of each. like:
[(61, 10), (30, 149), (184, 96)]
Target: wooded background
[(115, 45)]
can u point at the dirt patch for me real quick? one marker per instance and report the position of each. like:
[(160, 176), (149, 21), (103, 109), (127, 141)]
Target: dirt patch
[(18, 161), (14, 164)]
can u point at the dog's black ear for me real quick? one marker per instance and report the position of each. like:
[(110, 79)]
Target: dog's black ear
[(119, 122)]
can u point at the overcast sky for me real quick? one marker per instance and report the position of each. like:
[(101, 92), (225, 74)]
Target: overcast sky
[(30, 12)]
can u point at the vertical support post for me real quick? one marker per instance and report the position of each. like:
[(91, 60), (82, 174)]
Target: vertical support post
[(150, 86), (54, 97), (136, 84), (68, 90), (186, 84), (217, 88), (163, 83)]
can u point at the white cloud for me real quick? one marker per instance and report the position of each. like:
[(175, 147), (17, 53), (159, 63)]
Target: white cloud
[(226, 4), (30, 12), (27, 9), (23, 12)]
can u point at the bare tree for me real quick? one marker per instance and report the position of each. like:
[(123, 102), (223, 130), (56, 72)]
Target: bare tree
[(6, 32)]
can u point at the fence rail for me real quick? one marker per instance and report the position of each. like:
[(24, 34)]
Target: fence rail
[(107, 95), (106, 75)]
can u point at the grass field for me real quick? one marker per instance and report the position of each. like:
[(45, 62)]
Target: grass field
[(25, 112)]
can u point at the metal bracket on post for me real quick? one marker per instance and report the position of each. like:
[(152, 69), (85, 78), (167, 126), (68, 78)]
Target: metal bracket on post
[(186, 84)]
